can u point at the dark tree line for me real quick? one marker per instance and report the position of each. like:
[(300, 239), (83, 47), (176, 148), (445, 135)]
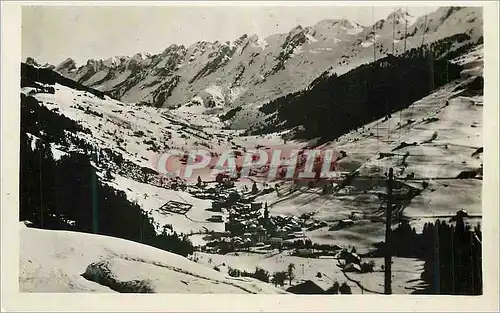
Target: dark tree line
[(66, 194), (47, 124), (230, 114), (452, 254), (259, 273), (31, 76), (334, 105)]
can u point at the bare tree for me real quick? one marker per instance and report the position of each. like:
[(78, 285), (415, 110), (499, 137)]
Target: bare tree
[(290, 273)]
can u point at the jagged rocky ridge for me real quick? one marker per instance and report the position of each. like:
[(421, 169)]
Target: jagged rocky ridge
[(254, 70)]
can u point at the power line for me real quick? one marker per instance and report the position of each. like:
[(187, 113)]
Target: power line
[(406, 28), (421, 46), (425, 30), (393, 29), (401, 179), (388, 223), (374, 33), (402, 77), (386, 104)]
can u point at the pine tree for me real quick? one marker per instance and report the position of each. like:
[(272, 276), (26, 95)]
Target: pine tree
[(345, 289), (290, 273), (255, 190)]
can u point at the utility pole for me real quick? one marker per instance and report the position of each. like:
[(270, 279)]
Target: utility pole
[(393, 31), (388, 218), (406, 30), (95, 203)]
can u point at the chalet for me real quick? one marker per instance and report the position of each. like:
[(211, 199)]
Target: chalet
[(261, 234), (226, 183), (281, 233), (238, 239), (350, 257), (247, 242), (307, 287), (254, 206), (306, 253), (352, 267), (235, 227), (252, 227), (220, 177), (317, 225), (276, 242), (298, 234), (346, 222), (309, 223), (216, 219)]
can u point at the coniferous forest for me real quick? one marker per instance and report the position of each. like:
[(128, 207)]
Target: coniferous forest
[(66, 194), (334, 105), (452, 254)]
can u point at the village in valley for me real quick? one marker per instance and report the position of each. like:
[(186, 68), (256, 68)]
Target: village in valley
[(252, 230), (398, 211)]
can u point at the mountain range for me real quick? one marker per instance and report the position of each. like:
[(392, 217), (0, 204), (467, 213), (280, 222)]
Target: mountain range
[(252, 70)]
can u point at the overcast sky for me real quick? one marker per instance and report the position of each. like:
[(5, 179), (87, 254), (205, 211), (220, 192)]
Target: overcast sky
[(54, 33)]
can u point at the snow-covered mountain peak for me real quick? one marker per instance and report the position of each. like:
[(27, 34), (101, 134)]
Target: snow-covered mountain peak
[(173, 48), (242, 40), (398, 14), (139, 56), (397, 21), (111, 62), (344, 24), (67, 66), (31, 61), (336, 27), (401, 16), (258, 41)]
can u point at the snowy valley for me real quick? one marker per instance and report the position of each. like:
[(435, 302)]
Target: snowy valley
[(249, 235)]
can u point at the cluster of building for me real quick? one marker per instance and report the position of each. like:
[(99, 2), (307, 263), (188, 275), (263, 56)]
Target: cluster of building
[(248, 224)]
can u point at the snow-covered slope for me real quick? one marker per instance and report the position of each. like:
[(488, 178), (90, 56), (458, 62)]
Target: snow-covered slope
[(441, 135), (62, 261), (138, 135), (254, 70)]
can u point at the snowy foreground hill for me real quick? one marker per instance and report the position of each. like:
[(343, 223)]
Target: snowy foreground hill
[(64, 261)]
